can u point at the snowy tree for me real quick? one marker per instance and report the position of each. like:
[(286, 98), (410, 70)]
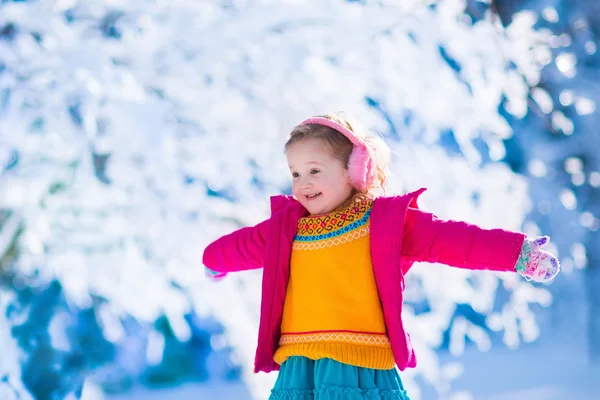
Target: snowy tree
[(11, 386), (135, 132), (556, 146)]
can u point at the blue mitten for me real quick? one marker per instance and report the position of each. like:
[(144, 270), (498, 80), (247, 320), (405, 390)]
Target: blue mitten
[(535, 264)]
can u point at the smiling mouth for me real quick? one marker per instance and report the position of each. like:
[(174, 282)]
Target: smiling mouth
[(312, 196)]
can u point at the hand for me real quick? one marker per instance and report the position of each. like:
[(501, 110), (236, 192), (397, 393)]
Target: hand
[(535, 264), (213, 275)]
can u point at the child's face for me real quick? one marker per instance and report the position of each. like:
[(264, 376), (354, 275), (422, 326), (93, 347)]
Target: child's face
[(319, 181)]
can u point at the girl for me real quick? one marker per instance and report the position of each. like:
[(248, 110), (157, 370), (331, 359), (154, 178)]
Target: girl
[(334, 259)]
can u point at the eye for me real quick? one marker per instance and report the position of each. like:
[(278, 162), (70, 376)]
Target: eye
[(314, 171), (295, 174)]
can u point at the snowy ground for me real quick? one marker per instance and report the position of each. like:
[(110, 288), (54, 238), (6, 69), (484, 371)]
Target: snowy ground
[(208, 391), (549, 370)]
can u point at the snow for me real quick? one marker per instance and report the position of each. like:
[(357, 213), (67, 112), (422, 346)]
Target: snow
[(133, 133)]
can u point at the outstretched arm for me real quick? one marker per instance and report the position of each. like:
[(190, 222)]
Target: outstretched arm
[(460, 244), (241, 250)]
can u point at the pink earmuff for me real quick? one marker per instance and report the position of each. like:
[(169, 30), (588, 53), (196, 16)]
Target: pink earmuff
[(360, 165)]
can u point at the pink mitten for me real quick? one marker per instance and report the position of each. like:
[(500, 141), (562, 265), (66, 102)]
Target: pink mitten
[(535, 264)]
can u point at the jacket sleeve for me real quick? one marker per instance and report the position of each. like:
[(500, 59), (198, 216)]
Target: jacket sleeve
[(458, 244), (241, 250)]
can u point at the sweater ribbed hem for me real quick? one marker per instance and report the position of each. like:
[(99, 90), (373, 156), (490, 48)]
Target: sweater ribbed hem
[(359, 356)]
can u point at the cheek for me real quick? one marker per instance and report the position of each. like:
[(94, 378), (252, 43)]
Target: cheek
[(295, 187)]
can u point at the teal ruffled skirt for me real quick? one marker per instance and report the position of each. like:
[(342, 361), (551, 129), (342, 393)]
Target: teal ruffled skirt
[(301, 378)]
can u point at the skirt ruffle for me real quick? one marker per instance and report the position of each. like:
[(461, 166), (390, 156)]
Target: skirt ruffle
[(301, 378)]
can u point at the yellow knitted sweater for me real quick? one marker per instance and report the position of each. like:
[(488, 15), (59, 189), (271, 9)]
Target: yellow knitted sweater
[(332, 308)]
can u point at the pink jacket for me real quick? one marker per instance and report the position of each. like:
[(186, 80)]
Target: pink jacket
[(401, 234)]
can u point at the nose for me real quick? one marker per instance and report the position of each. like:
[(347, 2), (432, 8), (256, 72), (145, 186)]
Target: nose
[(305, 183)]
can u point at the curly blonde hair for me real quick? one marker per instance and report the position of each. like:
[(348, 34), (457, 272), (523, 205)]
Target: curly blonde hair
[(341, 147)]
